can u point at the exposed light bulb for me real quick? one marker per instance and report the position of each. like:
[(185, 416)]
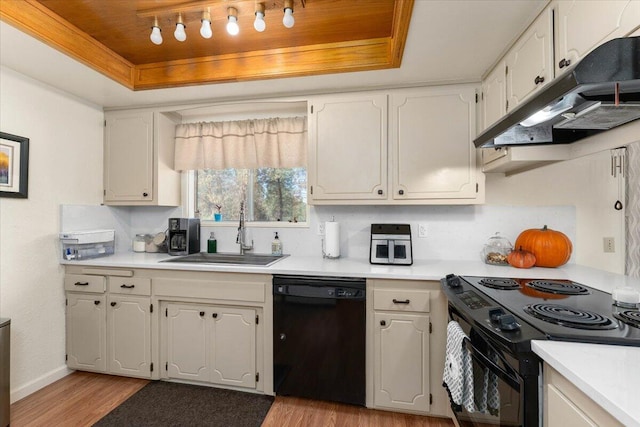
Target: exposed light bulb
[(156, 35), (259, 23), (232, 26), (287, 19), (205, 29), (179, 33)]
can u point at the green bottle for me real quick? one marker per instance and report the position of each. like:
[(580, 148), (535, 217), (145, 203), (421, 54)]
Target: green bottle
[(212, 244)]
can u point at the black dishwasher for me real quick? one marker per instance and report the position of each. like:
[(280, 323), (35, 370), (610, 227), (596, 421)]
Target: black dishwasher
[(319, 338)]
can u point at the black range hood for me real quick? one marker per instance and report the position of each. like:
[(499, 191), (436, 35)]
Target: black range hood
[(598, 93)]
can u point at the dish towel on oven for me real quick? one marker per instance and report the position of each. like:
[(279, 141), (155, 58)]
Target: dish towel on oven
[(488, 397), (458, 369)]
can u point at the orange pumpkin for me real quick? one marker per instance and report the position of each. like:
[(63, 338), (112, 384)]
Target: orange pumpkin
[(550, 247), (521, 259)]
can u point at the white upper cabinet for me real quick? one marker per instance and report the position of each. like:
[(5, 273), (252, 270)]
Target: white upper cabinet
[(581, 26), (138, 159), (494, 95), (348, 147), (529, 63), (431, 132)]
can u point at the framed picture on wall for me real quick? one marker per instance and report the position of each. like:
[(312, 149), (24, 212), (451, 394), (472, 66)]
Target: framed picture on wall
[(14, 165)]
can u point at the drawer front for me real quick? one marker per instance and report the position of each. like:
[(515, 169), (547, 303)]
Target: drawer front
[(84, 283), (214, 289), (401, 300), (129, 286)]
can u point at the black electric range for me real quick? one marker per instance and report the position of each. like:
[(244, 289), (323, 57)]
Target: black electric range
[(559, 309), (501, 316)]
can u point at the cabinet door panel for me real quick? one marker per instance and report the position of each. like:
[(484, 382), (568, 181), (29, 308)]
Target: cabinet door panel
[(402, 361), (187, 340), (494, 95), (584, 25), (348, 157), (233, 351), (433, 152), (129, 324), (86, 332), (128, 151), (530, 61)]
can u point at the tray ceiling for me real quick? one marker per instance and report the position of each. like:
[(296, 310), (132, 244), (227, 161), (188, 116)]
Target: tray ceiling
[(112, 37)]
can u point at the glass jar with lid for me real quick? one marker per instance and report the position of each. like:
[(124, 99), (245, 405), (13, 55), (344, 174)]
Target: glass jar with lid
[(496, 250), (139, 243)]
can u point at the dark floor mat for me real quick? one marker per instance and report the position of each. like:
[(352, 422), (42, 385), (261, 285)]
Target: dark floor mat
[(161, 403)]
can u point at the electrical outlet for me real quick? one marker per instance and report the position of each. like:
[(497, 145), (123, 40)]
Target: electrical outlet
[(609, 244), (422, 230), (321, 229)]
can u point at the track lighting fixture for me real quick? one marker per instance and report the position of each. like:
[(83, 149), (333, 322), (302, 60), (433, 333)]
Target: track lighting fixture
[(287, 19), (156, 35), (179, 33), (205, 29), (259, 23), (232, 21)]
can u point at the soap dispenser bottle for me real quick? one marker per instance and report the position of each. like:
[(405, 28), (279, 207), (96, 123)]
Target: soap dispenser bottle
[(276, 245), (212, 244)]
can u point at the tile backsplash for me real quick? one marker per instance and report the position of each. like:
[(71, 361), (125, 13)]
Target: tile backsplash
[(452, 232)]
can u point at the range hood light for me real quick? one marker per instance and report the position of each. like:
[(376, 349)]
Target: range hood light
[(547, 113)]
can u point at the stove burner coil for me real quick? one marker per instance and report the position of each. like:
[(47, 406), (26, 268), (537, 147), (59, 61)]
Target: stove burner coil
[(570, 317), (556, 287), (499, 283), (632, 317)]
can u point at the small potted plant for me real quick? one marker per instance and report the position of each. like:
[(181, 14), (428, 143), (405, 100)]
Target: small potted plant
[(217, 216)]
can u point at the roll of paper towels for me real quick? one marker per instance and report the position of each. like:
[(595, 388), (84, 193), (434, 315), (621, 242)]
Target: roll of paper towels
[(332, 239)]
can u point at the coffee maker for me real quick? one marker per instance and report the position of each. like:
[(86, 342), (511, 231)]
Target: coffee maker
[(184, 236)]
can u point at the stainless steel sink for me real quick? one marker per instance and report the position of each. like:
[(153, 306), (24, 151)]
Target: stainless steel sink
[(228, 258)]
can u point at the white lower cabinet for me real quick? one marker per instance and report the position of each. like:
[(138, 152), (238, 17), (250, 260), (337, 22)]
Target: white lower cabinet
[(209, 343), (86, 332), (402, 361), (129, 335)]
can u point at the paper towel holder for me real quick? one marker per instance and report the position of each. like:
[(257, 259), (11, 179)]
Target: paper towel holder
[(337, 236)]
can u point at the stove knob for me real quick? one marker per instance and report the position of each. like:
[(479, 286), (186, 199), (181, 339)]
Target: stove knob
[(507, 322), (452, 280), (495, 313)]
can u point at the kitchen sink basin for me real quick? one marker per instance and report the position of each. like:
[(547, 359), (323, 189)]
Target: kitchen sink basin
[(228, 258)]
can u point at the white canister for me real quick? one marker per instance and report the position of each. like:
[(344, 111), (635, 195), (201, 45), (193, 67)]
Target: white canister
[(331, 239), (139, 243)]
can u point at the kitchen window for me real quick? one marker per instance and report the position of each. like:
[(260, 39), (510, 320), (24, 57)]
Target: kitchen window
[(270, 194), (259, 161)]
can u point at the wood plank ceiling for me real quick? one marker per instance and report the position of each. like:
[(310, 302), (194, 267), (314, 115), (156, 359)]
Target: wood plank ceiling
[(112, 37)]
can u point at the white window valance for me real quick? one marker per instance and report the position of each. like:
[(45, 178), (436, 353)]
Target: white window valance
[(275, 142)]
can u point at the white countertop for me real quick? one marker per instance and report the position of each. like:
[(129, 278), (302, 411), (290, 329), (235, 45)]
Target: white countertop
[(608, 374)]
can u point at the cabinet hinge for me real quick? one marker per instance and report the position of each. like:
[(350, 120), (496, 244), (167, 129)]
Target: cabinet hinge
[(506, 70), (66, 301), (150, 308), (430, 399), (311, 189), (482, 95), (430, 327), (257, 376), (506, 105), (105, 123), (476, 98), (477, 187), (257, 319), (104, 192), (312, 109), (151, 367), (166, 366), (66, 357), (166, 312)]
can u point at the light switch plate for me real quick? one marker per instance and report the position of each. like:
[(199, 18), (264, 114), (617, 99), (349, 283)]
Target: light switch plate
[(609, 244), (321, 229), (422, 230)]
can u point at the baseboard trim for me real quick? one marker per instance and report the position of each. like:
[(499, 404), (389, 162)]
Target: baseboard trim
[(38, 383)]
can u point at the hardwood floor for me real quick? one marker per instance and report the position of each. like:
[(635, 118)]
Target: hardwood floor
[(82, 398)]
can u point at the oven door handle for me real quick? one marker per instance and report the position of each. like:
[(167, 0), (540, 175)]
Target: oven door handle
[(487, 363)]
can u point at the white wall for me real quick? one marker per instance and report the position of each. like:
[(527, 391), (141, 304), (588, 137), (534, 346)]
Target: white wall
[(65, 166)]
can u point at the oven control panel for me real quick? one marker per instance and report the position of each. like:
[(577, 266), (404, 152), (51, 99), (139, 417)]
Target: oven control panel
[(473, 300)]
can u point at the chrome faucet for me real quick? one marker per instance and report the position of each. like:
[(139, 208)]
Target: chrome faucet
[(242, 237)]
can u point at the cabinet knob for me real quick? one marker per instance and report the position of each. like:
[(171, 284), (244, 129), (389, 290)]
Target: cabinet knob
[(564, 63), (214, 315), (201, 313), (96, 302), (145, 194), (401, 192), (113, 303), (383, 323), (538, 80), (380, 192)]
